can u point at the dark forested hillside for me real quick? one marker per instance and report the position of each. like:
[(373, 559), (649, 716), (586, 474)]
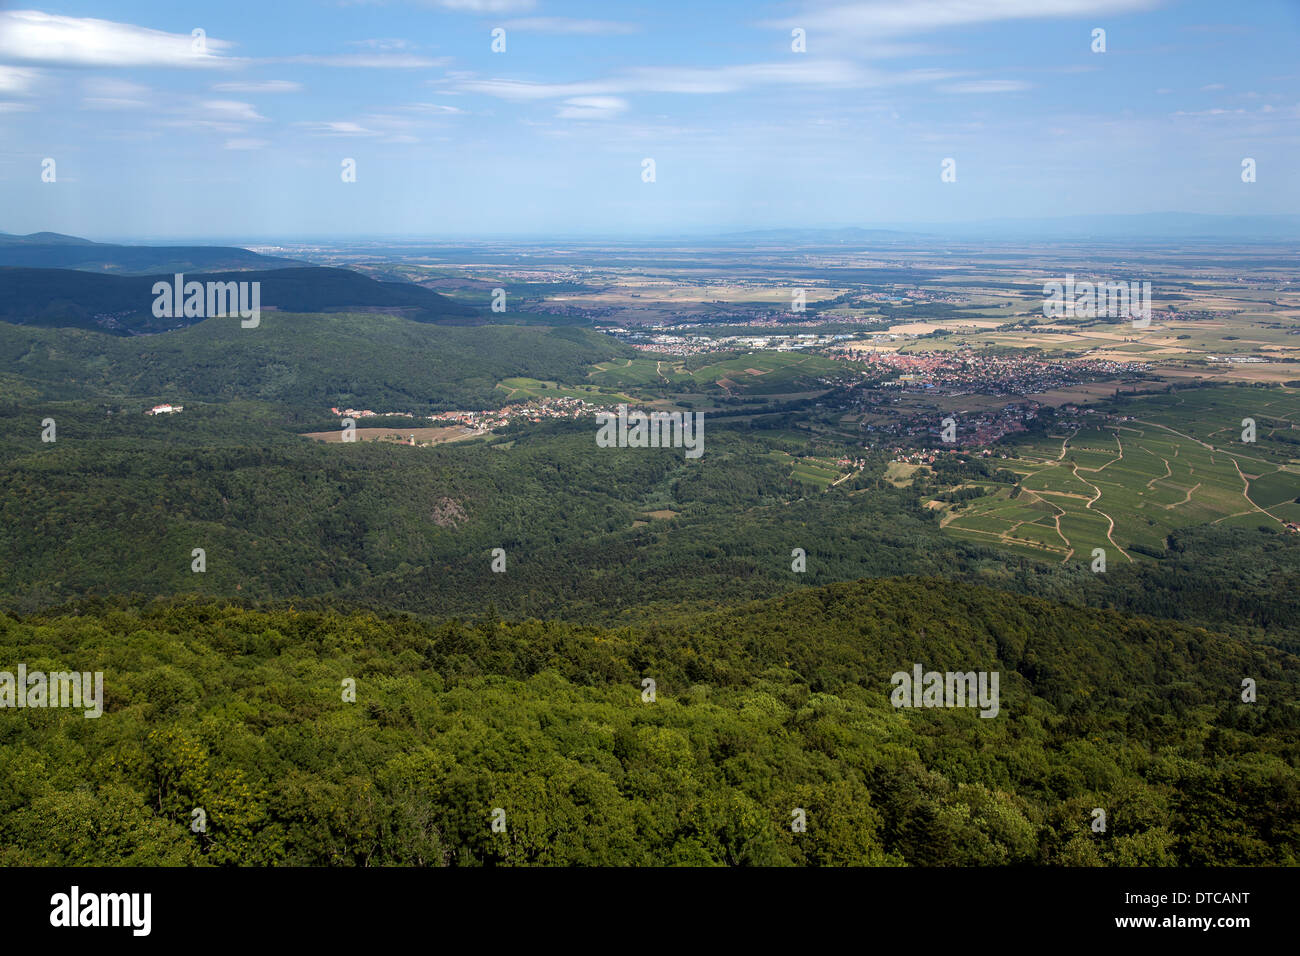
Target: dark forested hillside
[(304, 362), (124, 304), (48, 250), (758, 712)]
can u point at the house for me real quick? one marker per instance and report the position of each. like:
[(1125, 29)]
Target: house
[(165, 409)]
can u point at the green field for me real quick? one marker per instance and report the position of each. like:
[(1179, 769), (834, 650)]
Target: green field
[(757, 373), (1142, 469), (523, 389), (817, 472)]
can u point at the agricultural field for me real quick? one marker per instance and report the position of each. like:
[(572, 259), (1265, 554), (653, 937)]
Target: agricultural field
[(527, 389), (817, 472), (757, 373), (422, 436), (1124, 477)]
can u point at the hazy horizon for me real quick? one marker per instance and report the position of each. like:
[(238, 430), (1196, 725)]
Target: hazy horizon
[(1158, 227)]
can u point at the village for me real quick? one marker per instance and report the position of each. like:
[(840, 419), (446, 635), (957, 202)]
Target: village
[(476, 422), (664, 342), (976, 373)]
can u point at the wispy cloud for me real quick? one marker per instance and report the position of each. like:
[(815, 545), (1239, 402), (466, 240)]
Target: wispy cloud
[(703, 80), (365, 61), (437, 108), (567, 25), (483, 6), (986, 86), (387, 44), (592, 107), (30, 36), (255, 86), (902, 17), (384, 127), (16, 81), (232, 111), (339, 128), (110, 93)]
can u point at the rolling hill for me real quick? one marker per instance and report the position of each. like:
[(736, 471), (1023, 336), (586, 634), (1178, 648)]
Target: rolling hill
[(52, 250), (124, 304)]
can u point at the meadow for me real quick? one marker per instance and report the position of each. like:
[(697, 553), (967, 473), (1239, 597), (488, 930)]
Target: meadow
[(758, 373)]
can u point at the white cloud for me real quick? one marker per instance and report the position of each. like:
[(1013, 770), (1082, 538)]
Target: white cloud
[(109, 93), (231, 111), (699, 80), (404, 127), (986, 86), (592, 107), (340, 128), (483, 6), (571, 26), (387, 44), (29, 36), (15, 81), (256, 86), (432, 108), (901, 17), (366, 61)]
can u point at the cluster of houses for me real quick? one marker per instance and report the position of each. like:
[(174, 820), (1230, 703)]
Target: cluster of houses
[(666, 343), (970, 429), (165, 410), (976, 373), (367, 413), (487, 419), (534, 411)]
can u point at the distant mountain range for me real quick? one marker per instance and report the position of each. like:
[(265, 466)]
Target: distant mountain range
[(124, 304), (1154, 226), (845, 234), (52, 250)]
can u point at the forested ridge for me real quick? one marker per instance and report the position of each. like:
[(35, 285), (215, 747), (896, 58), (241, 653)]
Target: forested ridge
[(759, 710), (119, 502), (73, 298), (302, 363)]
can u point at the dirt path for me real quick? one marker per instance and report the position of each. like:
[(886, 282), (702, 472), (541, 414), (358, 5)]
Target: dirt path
[(1109, 520), (1245, 493), (1245, 482), (1168, 471), (847, 477), (1186, 498), (1059, 512), (1064, 442), (1206, 445), (1113, 460)]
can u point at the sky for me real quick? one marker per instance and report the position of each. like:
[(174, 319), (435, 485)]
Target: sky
[(245, 130)]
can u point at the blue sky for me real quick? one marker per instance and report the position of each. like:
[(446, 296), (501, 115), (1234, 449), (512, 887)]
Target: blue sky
[(245, 138)]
